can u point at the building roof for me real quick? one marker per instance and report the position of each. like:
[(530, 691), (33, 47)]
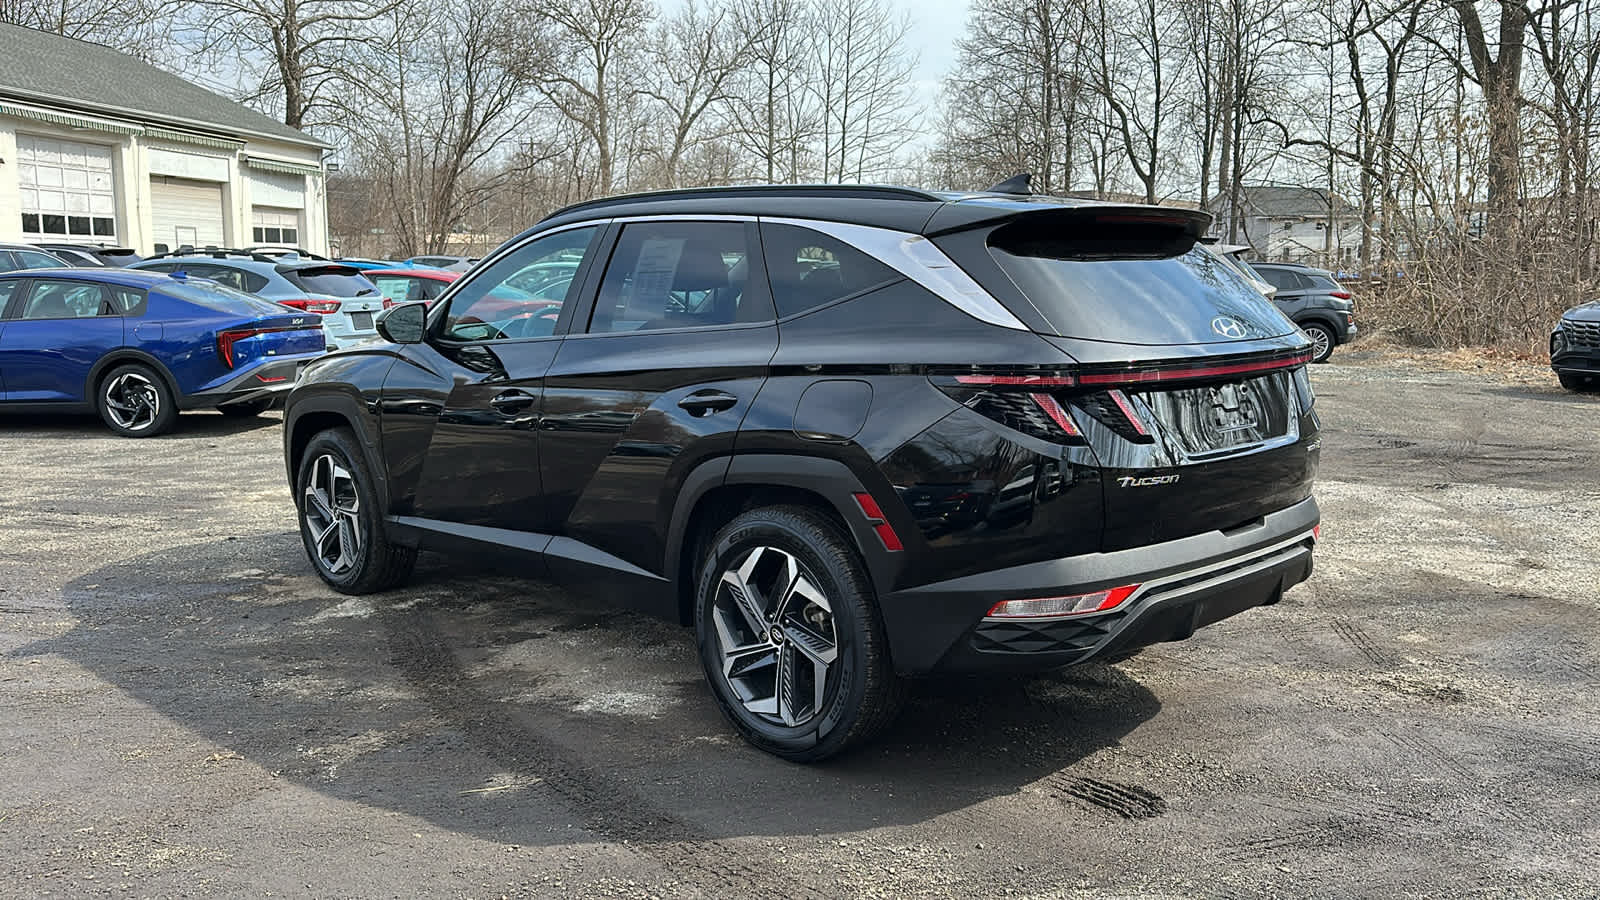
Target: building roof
[(62, 72), (1287, 201)]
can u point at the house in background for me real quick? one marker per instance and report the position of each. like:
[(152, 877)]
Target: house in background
[(1290, 223), (97, 146)]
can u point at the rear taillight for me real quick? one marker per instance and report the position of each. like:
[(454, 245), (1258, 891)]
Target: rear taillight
[(1023, 402), (227, 339), (387, 303), (1342, 295), (1071, 605), (320, 307)]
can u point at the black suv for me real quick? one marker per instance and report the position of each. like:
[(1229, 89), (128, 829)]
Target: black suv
[(1315, 301), (849, 434), (1575, 347)]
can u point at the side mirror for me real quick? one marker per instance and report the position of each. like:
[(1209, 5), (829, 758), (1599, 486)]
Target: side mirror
[(403, 324)]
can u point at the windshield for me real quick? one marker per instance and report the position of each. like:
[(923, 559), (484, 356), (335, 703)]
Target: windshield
[(332, 281), (1141, 295)]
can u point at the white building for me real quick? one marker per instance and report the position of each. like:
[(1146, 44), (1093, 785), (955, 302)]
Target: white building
[(1289, 223), (97, 146)]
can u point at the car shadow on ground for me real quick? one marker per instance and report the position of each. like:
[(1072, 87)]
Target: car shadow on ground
[(190, 425), (500, 707)]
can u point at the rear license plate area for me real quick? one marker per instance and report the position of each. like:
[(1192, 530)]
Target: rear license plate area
[(1229, 417), (361, 321)]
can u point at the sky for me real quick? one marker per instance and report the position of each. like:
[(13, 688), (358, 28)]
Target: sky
[(936, 25)]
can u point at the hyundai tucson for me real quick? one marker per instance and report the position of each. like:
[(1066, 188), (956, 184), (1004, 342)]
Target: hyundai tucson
[(850, 435)]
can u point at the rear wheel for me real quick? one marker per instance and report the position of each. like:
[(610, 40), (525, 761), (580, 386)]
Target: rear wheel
[(790, 637), (246, 410), (341, 524), (135, 402), (1322, 341)]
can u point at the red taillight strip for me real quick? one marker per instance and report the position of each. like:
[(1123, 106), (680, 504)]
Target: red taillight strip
[(1017, 380), (1121, 400), (874, 514), (1190, 372), (1052, 408)]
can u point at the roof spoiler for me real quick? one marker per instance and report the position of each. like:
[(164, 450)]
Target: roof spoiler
[(1192, 224)]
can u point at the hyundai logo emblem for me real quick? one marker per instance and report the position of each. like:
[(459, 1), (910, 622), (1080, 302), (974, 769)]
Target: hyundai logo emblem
[(1228, 327)]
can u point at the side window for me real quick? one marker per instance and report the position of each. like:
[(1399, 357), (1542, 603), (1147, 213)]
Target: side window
[(679, 275), (808, 269), (129, 301), (8, 263), (32, 259), (491, 307), (66, 300), (8, 289), (221, 275)]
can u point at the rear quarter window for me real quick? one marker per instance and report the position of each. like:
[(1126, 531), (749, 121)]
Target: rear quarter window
[(808, 269)]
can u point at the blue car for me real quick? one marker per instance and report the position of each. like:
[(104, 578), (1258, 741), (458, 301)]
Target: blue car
[(137, 347)]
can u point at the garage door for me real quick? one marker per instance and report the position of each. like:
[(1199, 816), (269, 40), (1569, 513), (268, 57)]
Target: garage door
[(65, 190), (185, 212)]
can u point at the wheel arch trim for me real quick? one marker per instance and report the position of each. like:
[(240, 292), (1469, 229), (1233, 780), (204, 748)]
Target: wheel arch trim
[(124, 355)]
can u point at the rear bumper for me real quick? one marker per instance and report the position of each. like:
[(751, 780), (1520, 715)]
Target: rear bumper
[(1185, 584), (272, 379)]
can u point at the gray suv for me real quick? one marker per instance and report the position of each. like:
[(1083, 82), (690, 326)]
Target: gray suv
[(1316, 302), (344, 298)]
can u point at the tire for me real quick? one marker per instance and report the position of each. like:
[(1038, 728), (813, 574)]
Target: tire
[(134, 401), (341, 521), (246, 410), (831, 601), (1322, 341)]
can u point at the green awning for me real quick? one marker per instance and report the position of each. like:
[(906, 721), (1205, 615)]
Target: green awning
[(282, 167), (184, 137), (55, 118)]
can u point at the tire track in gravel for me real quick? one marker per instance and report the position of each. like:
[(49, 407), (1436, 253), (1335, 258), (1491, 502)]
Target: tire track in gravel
[(603, 805), (1125, 800), (1358, 638)]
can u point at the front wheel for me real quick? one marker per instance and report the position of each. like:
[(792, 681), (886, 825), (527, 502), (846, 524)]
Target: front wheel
[(340, 521), (135, 402), (790, 637), (1322, 341)]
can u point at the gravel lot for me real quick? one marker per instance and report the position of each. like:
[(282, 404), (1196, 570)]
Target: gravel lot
[(186, 711)]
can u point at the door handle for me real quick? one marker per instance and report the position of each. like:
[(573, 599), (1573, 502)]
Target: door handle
[(513, 401), (704, 403)]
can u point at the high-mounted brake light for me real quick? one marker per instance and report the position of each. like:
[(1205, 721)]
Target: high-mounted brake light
[(875, 518), (1071, 605), (320, 307)]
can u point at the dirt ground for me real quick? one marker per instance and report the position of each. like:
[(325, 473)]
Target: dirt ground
[(186, 711)]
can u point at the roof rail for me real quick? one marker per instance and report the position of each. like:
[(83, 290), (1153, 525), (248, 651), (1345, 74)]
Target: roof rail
[(852, 191), (213, 252)]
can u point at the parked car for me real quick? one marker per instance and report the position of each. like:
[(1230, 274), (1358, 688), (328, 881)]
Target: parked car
[(92, 254), (137, 347), (415, 284), (366, 265), (1316, 302), (743, 390), (1575, 347), (1233, 255), (453, 263), (346, 301), (23, 256)]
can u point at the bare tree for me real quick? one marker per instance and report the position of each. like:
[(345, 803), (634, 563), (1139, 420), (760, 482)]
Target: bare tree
[(298, 48), (1133, 74), (862, 87), (128, 25), (598, 80), (772, 114), (697, 52)]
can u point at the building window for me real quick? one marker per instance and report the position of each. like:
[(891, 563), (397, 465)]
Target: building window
[(274, 226), (66, 189)]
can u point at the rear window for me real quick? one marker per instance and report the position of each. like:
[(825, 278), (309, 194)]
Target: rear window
[(334, 281), (1136, 287), (1323, 282), (222, 299)]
